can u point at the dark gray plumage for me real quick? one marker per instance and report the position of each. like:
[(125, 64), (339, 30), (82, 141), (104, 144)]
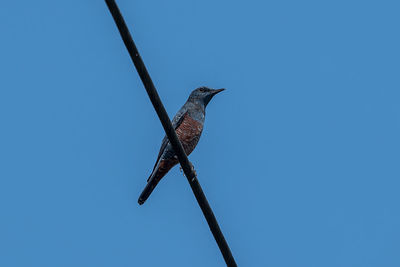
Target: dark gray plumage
[(188, 124)]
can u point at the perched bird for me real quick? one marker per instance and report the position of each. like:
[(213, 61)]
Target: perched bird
[(188, 124)]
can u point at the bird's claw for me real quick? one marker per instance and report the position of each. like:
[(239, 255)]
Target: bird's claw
[(180, 168), (193, 170)]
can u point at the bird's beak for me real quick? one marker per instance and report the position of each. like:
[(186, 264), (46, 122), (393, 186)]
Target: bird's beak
[(216, 91), (211, 94)]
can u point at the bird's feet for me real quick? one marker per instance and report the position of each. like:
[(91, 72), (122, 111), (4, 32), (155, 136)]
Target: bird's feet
[(192, 167), (194, 171)]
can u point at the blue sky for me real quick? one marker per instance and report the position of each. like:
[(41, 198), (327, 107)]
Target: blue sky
[(299, 157)]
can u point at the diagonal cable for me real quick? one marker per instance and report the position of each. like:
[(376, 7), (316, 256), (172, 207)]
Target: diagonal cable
[(169, 130)]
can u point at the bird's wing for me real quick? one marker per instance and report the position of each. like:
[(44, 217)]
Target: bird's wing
[(176, 121)]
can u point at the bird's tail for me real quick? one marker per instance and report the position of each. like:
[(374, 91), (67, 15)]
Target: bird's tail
[(159, 171), (151, 184)]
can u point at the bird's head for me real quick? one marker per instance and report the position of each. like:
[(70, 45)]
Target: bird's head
[(203, 95)]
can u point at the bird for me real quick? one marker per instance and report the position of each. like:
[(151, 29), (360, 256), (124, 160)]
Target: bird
[(188, 124)]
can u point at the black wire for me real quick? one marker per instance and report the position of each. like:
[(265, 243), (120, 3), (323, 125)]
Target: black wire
[(169, 130)]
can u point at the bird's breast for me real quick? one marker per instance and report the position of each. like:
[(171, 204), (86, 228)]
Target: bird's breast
[(189, 132)]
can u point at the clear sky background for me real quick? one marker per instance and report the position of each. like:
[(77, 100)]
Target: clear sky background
[(299, 157)]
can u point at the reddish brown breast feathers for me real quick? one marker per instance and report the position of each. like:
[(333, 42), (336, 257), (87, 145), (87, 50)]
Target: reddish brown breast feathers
[(189, 132)]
